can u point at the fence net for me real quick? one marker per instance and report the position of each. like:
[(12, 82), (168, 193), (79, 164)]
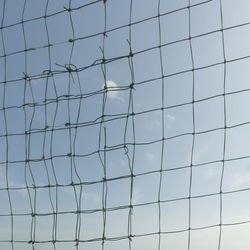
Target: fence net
[(124, 124)]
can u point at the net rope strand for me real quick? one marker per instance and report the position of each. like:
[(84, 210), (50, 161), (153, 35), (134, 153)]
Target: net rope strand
[(130, 109), (193, 127), (162, 124), (31, 192), (103, 134), (6, 132), (129, 146), (50, 190), (225, 125)]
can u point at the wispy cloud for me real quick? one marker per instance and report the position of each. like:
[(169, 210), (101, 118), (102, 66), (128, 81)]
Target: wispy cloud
[(210, 172), (201, 153), (2, 176), (137, 195), (171, 117), (150, 156), (2, 146), (113, 91), (92, 197), (23, 192), (241, 178), (37, 82), (88, 196), (3, 182)]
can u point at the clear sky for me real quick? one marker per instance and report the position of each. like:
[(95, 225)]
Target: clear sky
[(204, 101)]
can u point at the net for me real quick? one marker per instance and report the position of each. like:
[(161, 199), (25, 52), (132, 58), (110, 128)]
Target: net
[(124, 124)]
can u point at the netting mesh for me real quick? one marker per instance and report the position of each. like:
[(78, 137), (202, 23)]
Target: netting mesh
[(124, 124)]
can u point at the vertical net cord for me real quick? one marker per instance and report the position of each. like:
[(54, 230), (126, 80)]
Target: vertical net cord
[(130, 160), (53, 231), (102, 131), (126, 149), (79, 207), (49, 74), (28, 127), (72, 147), (193, 126), (163, 124), (225, 125), (55, 207), (6, 132), (130, 106)]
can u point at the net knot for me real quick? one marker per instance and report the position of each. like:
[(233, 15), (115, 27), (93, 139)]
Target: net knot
[(67, 9), (130, 237), (48, 72), (132, 86), (26, 76)]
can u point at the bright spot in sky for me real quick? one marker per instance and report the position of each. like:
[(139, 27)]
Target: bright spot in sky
[(112, 90), (171, 117), (241, 178)]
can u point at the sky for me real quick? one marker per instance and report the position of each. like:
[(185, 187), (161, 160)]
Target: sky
[(202, 101)]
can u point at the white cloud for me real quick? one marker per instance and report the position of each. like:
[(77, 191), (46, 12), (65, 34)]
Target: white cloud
[(113, 90), (88, 196), (23, 192), (137, 195), (200, 154), (2, 175), (37, 82), (150, 156), (3, 182), (2, 146), (171, 117), (210, 172), (92, 197), (158, 123), (169, 127), (241, 179)]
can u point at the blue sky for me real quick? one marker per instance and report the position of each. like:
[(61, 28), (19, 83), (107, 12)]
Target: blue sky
[(206, 86)]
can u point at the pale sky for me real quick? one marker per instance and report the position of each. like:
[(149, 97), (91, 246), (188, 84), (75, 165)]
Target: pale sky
[(175, 93)]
